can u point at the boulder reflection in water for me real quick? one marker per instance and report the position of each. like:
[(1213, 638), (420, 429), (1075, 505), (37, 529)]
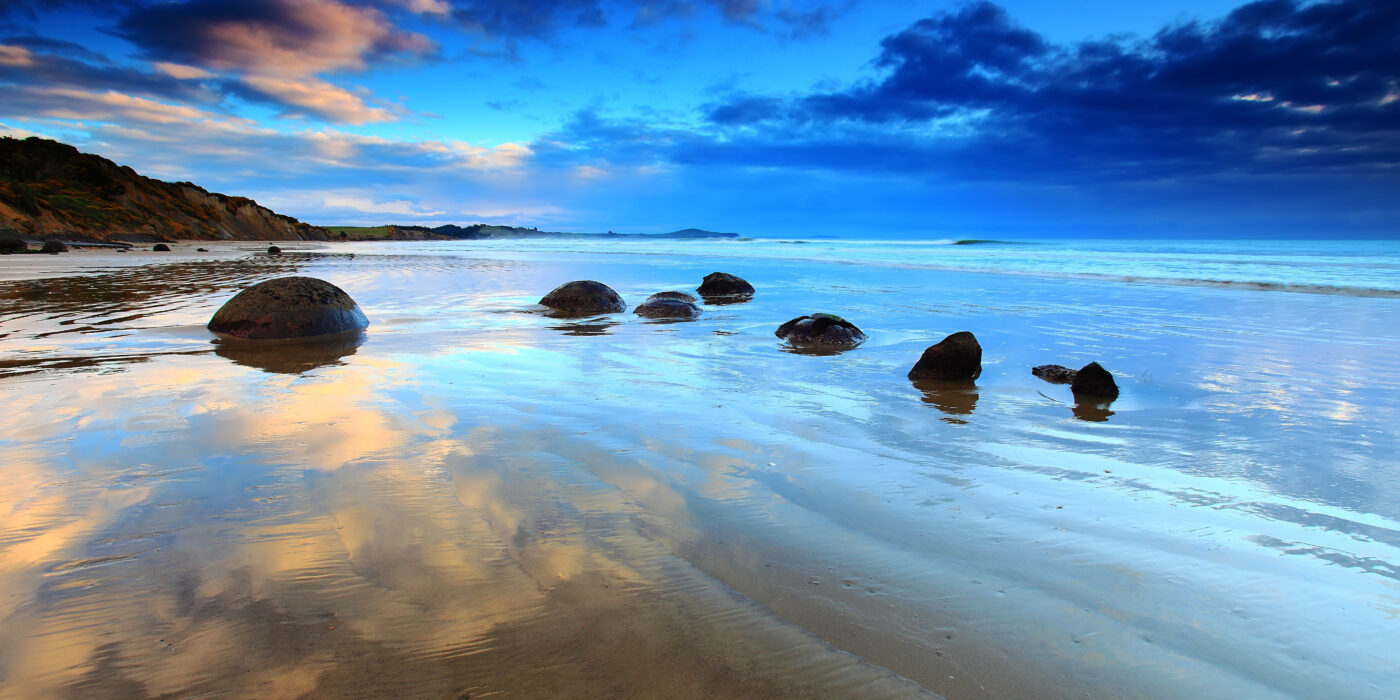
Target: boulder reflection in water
[(291, 356), (951, 396)]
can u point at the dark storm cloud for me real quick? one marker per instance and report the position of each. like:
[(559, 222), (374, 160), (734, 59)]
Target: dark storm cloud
[(1275, 85)]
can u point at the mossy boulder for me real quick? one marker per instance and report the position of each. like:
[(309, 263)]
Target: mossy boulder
[(288, 307), (584, 297)]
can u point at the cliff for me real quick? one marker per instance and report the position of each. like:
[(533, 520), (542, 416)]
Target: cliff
[(50, 190)]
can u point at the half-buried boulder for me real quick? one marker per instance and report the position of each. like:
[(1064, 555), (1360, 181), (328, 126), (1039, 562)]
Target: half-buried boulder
[(668, 308), (288, 307), (584, 297), (54, 247), (274, 250), (682, 296), (161, 248), (722, 286), (1093, 381), (959, 356), (820, 329), (1055, 374)]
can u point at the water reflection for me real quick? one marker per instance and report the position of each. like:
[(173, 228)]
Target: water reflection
[(952, 397), (590, 327), (291, 357), (727, 300), (1092, 409)]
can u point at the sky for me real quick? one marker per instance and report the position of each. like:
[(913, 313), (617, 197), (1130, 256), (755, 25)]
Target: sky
[(859, 118)]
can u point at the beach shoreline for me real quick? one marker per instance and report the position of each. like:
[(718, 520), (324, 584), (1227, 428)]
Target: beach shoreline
[(487, 498)]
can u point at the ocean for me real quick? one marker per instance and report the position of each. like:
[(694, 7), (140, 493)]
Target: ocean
[(476, 497)]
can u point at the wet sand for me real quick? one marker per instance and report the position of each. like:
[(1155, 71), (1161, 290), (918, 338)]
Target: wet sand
[(475, 498)]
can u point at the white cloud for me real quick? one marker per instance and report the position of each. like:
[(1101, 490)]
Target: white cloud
[(319, 98), (400, 207), (15, 56)]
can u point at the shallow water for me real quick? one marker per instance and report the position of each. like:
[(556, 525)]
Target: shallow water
[(475, 497)]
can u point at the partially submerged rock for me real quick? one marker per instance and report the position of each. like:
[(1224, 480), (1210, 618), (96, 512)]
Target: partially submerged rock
[(161, 248), (584, 297), (54, 247), (1055, 374), (820, 329), (1092, 380), (682, 296), (288, 307), (959, 356), (667, 308), (724, 286), (274, 250)]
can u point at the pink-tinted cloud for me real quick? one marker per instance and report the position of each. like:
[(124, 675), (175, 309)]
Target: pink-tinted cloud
[(288, 38), (315, 98)]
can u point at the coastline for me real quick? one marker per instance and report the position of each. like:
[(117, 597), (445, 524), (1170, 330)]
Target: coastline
[(541, 485)]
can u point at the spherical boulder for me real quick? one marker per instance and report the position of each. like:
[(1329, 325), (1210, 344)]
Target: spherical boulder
[(820, 329), (724, 285), (682, 296), (584, 297), (13, 245), (54, 247), (959, 356), (274, 250), (1055, 374), (1093, 381), (288, 307), (667, 308), (161, 248)]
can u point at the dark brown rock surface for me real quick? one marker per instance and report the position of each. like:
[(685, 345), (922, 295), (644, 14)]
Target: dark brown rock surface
[(288, 307), (1055, 374), (54, 247), (820, 329), (682, 296), (959, 356), (1093, 380), (584, 297), (666, 307), (724, 285)]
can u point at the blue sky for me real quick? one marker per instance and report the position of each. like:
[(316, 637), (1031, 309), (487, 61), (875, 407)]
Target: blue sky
[(769, 118)]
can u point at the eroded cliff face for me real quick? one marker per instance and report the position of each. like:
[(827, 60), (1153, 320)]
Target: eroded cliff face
[(51, 190)]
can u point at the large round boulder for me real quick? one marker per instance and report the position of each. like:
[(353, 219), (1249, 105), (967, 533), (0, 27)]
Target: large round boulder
[(667, 308), (959, 356), (288, 307), (722, 285), (13, 245), (1093, 381), (161, 248), (820, 329), (584, 297), (54, 247), (274, 250)]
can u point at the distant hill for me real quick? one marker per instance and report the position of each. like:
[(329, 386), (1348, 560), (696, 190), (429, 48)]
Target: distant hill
[(491, 231), (51, 190)]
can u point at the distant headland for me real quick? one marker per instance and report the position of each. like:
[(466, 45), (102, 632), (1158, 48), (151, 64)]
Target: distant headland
[(52, 191)]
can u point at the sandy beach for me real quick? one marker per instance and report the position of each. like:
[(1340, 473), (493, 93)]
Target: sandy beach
[(476, 498)]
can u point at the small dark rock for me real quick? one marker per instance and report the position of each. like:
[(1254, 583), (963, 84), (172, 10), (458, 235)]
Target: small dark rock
[(54, 247), (959, 356), (288, 307), (201, 250), (666, 307), (161, 248), (584, 297), (274, 250), (722, 285), (1055, 374), (682, 296), (820, 329), (1093, 380)]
